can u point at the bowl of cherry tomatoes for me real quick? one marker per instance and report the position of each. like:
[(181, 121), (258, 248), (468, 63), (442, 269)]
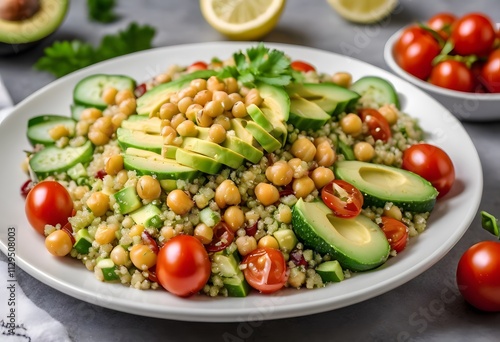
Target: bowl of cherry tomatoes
[(456, 59)]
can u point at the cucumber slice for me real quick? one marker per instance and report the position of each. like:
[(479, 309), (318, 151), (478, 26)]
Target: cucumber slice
[(330, 271), (108, 268), (209, 217), (83, 241), (76, 111), (52, 160), (127, 200), (88, 92), (376, 90), (40, 126)]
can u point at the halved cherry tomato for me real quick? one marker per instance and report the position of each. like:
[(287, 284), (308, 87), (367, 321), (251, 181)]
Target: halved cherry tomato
[(431, 163), (377, 124), (396, 233), (223, 237), (265, 269), (451, 74), (197, 66), (490, 72), (441, 23), (48, 202), (343, 198), (302, 66), (183, 266), (473, 34)]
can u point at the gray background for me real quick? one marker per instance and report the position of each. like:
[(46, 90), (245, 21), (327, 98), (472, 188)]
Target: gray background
[(426, 308)]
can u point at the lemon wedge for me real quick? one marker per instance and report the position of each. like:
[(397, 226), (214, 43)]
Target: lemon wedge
[(242, 19), (363, 11)]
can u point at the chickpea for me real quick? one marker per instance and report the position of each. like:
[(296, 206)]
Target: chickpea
[(227, 193), (142, 257), (342, 79), (253, 97), (217, 133), (98, 138), (303, 186), (179, 202), (58, 243), (266, 193), (187, 92), (192, 111), (136, 230), (268, 241), (163, 78), (235, 97), (231, 85), (213, 108), (169, 134), (187, 128), (184, 104), (148, 188), (199, 84), (393, 212), (168, 110), (123, 95), (109, 94), (351, 124), (202, 97), (304, 149), (214, 84), (167, 232), (82, 128), (203, 119), (223, 120), (119, 255), (104, 125), (246, 244), (128, 106), (389, 112), (58, 131), (106, 233), (299, 167), (284, 214), (203, 233), (117, 119), (325, 155), (176, 120), (321, 176), (98, 203), (280, 173), (234, 217), (223, 98), (363, 151), (121, 177), (114, 164), (239, 110), (90, 114)]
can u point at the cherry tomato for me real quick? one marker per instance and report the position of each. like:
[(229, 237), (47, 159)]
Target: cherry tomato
[(478, 275), (451, 74), (265, 269), (48, 202), (473, 34), (377, 124), (223, 237), (396, 233), (302, 66), (441, 23), (197, 66), (415, 50), (490, 72), (431, 163), (183, 266), (343, 198)]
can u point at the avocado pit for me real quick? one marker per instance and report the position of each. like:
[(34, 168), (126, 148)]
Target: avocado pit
[(16, 10)]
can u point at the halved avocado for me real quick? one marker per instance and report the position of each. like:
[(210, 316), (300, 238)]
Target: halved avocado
[(380, 184), (29, 22)]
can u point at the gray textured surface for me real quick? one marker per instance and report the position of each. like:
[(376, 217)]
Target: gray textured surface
[(426, 308)]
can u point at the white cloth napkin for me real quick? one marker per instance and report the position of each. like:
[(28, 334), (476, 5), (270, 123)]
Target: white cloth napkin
[(20, 319)]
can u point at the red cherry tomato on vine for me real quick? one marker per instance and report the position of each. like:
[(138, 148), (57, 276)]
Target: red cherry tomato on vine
[(415, 50), (473, 34), (302, 66), (490, 72), (396, 233), (265, 269), (431, 163), (377, 124), (183, 266), (478, 275), (451, 74), (441, 23), (48, 202), (343, 198)]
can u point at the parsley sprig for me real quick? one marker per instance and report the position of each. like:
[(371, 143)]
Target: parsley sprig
[(101, 10), (261, 64), (64, 57)]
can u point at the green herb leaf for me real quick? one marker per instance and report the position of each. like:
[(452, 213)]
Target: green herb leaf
[(67, 56), (101, 10)]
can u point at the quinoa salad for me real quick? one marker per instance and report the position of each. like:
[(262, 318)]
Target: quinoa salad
[(275, 174)]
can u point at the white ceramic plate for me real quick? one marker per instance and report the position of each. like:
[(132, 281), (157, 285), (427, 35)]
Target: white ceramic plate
[(449, 221)]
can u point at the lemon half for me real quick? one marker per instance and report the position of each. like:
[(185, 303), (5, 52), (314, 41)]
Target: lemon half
[(363, 11), (242, 19)]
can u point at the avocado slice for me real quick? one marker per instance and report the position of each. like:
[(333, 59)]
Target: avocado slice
[(44, 21), (357, 243), (380, 184), (143, 123), (306, 115), (215, 151), (264, 138), (137, 139), (197, 161), (332, 98), (269, 122)]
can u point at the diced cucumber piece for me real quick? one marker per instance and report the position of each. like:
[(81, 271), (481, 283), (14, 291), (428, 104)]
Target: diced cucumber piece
[(39, 128), (346, 150), (52, 160), (236, 286), (76, 172), (88, 92), (286, 239), (168, 184), (209, 217), (108, 268), (83, 241), (330, 271), (127, 200), (226, 264), (374, 89), (148, 216)]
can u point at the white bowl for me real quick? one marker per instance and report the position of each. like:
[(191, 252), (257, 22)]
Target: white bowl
[(465, 106)]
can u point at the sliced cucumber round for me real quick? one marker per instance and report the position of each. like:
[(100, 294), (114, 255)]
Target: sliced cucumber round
[(39, 128), (374, 89), (88, 92)]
